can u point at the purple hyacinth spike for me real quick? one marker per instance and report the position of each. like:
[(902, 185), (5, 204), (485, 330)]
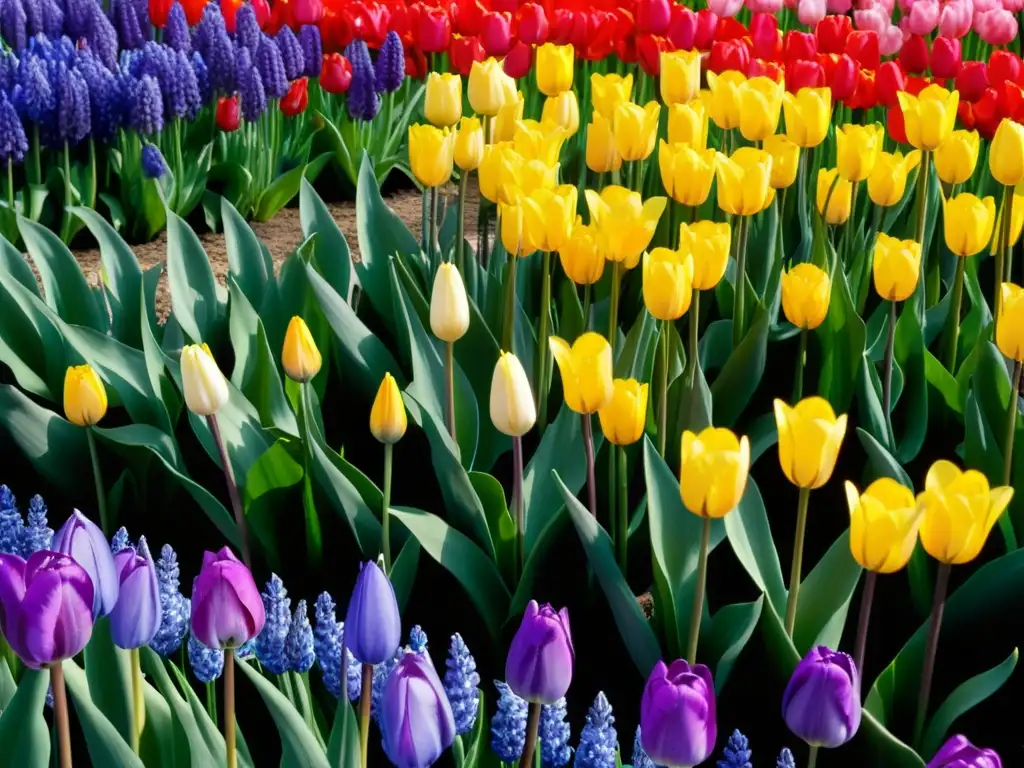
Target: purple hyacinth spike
[(247, 29), (250, 88), (13, 24), (126, 22), (389, 70), (312, 50), (13, 142), (271, 68), (291, 53), (153, 165), (147, 108), (73, 111), (176, 33), (363, 102)]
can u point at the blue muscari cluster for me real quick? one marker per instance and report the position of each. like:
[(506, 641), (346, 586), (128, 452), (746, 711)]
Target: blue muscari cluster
[(786, 759), (640, 758), (389, 69), (207, 663), (417, 640), (11, 524), (363, 102), (153, 165), (298, 645), (381, 673), (328, 641), (250, 87), (461, 684), (247, 29), (175, 608), (21, 537), (598, 740), (312, 50), (270, 66), (270, 643), (37, 534), (291, 53), (176, 33), (120, 540), (736, 753), (554, 735), (508, 728)]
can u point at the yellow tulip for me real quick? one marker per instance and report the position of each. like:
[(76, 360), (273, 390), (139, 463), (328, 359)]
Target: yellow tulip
[(686, 173), (554, 68), (498, 160), (760, 105), (929, 117), (722, 100), (508, 117), (688, 124), (785, 160), (299, 357), (743, 181), (431, 154), (897, 265), (549, 216), (884, 521), (1016, 220), (562, 110), (602, 155), (85, 399), (888, 181), (623, 417), (203, 384), (608, 91), (1010, 323), (635, 129), (959, 512), (957, 156), (449, 306), (625, 223), (513, 231), (837, 193), (857, 148), (387, 417), (810, 436), (713, 470), (667, 283), (469, 144), (513, 412), (586, 370), (1006, 155), (808, 114), (806, 290), (968, 223), (442, 104), (581, 256), (680, 76), (708, 244), (533, 175), (489, 87), (536, 142)]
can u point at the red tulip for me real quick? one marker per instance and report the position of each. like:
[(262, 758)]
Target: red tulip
[(1010, 102), (799, 46), (764, 36), (652, 17), (504, 6), (569, 27), (865, 96), (1003, 65), (158, 12), (804, 74), (229, 9), (335, 29), (841, 74), (294, 102), (368, 22), (730, 29), (648, 53), (306, 12), (433, 29), (916, 84), (895, 126), (862, 46), (602, 31), (496, 34), (972, 80), (914, 55), (991, 108), (262, 10), (463, 52), (707, 26), (228, 113), (831, 33), (336, 73), (519, 60), (625, 48), (770, 69), (945, 57), (965, 115), (532, 24), (889, 79), (729, 54), (467, 16), (193, 10), (682, 28)]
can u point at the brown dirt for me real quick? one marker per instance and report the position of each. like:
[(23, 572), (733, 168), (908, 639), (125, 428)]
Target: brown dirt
[(646, 601)]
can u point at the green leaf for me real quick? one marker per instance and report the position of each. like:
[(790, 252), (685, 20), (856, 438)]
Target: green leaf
[(825, 596), (632, 356), (330, 248), (843, 336), (636, 633), (343, 746), (267, 485), (690, 408), (157, 747), (108, 670), (869, 401), (7, 685), (881, 462), (210, 734), (943, 382), (190, 746), (403, 572), (739, 378), (249, 263), (750, 537), (476, 739), (23, 729), (727, 635), (499, 522), (540, 557), (909, 354), (106, 747), (191, 282), (279, 193)]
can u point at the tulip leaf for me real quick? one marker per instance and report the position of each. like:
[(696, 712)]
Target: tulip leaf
[(23, 729), (499, 521), (637, 634), (909, 353), (690, 407), (249, 263), (763, 434), (330, 248), (7, 685), (158, 747), (843, 336), (825, 595), (279, 193), (983, 452), (298, 744), (727, 635), (750, 537), (944, 383), (403, 572), (190, 278), (633, 358), (869, 401), (343, 745), (881, 462), (739, 378), (475, 741), (108, 670), (190, 748), (106, 745), (967, 695), (536, 562)]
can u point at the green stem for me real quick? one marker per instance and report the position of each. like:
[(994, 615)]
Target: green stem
[(434, 247), (588, 448), (931, 648), (613, 314), (314, 546), (1004, 239), (449, 386), (1011, 424), (663, 390), (922, 208), (10, 184), (138, 702), (60, 714), (697, 607), (801, 361), (97, 476), (798, 557), (211, 700), (364, 713), (229, 708), (517, 503), (953, 318), (862, 623), (586, 307), (460, 235), (65, 227), (622, 524), (812, 757), (740, 288), (694, 351), (236, 501), (532, 727), (37, 163), (542, 342), (890, 345), (458, 752), (508, 324), (1008, 274), (385, 516)]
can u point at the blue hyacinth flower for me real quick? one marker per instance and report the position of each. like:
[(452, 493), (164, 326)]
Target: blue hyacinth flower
[(271, 640), (461, 685), (786, 759), (508, 728), (298, 645), (598, 741), (736, 753), (554, 735)]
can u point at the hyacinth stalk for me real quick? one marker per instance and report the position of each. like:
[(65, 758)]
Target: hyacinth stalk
[(97, 477), (236, 501), (60, 715)]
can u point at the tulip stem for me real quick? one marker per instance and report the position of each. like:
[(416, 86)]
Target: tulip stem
[(613, 313), (449, 386), (694, 351), (434, 250), (953, 318), (60, 714), (801, 361), (922, 208), (588, 447), (1011, 424), (663, 390), (542, 343), (586, 307), (890, 345), (385, 517), (862, 623), (138, 703), (697, 607), (229, 707), (97, 476), (1006, 211), (508, 322), (236, 502), (622, 526), (460, 234), (740, 288), (812, 757), (798, 558), (517, 501), (532, 727), (364, 712), (938, 603)]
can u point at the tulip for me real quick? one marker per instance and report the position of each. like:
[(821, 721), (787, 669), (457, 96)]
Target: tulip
[(1006, 155), (512, 408), (1010, 324), (228, 115), (469, 144), (300, 357), (888, 181), (810, 435), (680, 77), (688, 124), (602, 154), (808, 114), (508, 118), (496, 33), (540, 658), (335, 76), (760, 101), (205, 388), (532, 24), (858, 147), (623, 417), (821, 704), (586, 370), (373, 626), (497, 171), (555, 64), (433, 29), (956, 157), (536, 142), (416, 718), (929, 116), (582, 260), (85, 399), (135, 619), (227, 610), (431, 154), (884, 521), (442, 104), (82, 540), (743, 187), (958, 752), (635, 129), (607, 92), (387, 417), (785, 160), (449, 306), (686, 173), (489, 87), (968, 222), (708, 244), (678, 720), (561, 111), (836, 193), (295, 101), (722, 101), (667, 283), (625, 225), (549, 216), (897, 267), (713, 471)]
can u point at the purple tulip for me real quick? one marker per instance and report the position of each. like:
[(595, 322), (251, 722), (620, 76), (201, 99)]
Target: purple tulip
[(135, 619), (373, 628), (678, 724), (45, 607), (227, 610), (416, 718), (540, 659), (821, 704), (81, 539), (958, 752)]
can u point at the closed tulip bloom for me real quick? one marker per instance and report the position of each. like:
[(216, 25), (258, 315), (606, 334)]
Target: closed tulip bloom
[(513, 412), (713, 471), (508, 117), (623, 417), (625, 224), (857, 147), (206, 389), (373, 627), (442, 104), (562, 111), (808, 114), (743, 188), (680, 76), (469, 144), (416, 719), (299, 357), (541, 656), (678, 717), (493, 169), (708, 243), (897, 266), (135, 619), (602, 154), (488, 87), (555, 65), (549, 216), (1010, 323), (431, 154), (959, 512), (667, 283), (760, 105), (968, 223), (821, 704), (388, 421), (785, 160), (806, 290), (608, 91), (957, 156), (883, 525), (45, 607), (810, 435), (581, 257), (513, 235), (958, 752), (85, 399), (449, 307), (722, 100), (636, 129), (888, 180), (929, 117), (536, 142), (1006, 155), (688, 124), (81, 539), (686, 173), (586, 369), (227, 610), (837, 193)]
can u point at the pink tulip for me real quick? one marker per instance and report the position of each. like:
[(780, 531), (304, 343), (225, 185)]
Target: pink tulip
[(997, 27), (764, 6), (810, 12), (1013, 6), (871, 18), (955, 18), (980, 6), (922, 19), (725, 8), (841, 7)]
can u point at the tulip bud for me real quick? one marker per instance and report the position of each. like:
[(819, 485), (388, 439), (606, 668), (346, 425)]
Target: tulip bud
[(607, 92), (488, 87), (1010, 323), (722, 101), (335, 73), (540, 658), (602, 156), (416, 718), (518, 61), (808, 114), (836, 193), (387, 417), (958, 752), (713, 471), (708, 244), (555, 66), (205, 388), (968, 222), (929, 117), (442, 104), (433, 30), (810, 436), (513, 412), (532, 24), (431, 154), (227, 610), (743, 181), (85, 399), (636, 129), (81, 539), (136, 617), (680, 77), (678, 718), (586, 370), (957, 156), (581, 258), (496, 33), (760, 101), (295, 101), (946, 54), (469, 144), (624, 416), (449, 307), (299, 357), (857, 148), (896, 267), (806, 290), (1006, 156), (821, 704), (509, 116), (883, 525), (785, 160), (228, 113), (888, 181), (625, 225), (688, 124), (686, 173), (667, 283), (373, 627), (562, 111)]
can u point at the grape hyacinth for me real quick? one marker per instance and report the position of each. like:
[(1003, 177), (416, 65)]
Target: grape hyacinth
[(37, 534), (33, 96), (291, 53), (389, 69), (207, 663), (461, 683), (13, 24), (176, 34), (250, 88), (312, 50), (508, 728), (202, 77), (126, 22), (328, 637), (417, 640), (174, 606), (73, 113), (786, 759), (363, 102), (298, 645), (246, 650), (247, 29), (147, 111), (271, 640), (101, 37), (381, 672), (736, 753), (598, 740), (11, 524), (640, 758), (120, 540), (270, 66), (554, 735)]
